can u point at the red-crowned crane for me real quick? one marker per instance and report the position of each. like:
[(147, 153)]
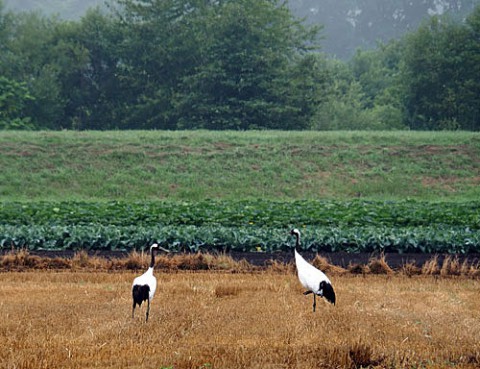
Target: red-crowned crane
[(314, 280), (144, 287)]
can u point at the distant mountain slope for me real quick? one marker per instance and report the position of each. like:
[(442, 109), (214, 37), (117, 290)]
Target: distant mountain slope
[(352, 24), (349, 24), (69, 9)]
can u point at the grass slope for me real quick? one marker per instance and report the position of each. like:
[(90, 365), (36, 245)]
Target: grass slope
[(194, 165)]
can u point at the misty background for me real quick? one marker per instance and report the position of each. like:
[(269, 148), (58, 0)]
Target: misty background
[(349, 24)]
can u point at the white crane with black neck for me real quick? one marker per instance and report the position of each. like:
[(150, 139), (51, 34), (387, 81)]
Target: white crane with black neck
[(143, 287), (313, 279)]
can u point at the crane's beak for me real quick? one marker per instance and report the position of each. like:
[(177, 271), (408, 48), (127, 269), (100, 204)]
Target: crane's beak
[(163, 249)]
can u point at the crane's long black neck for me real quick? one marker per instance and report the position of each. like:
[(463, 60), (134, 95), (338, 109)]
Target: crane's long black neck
[(152, 261), (297, 242)]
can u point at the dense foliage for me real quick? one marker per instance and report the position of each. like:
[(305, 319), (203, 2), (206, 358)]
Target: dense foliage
[(245, 64), (352, 226)]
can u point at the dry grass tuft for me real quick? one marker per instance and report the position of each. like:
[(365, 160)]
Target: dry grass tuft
[(202, 261), (472, 270), (196, 261), (379, 266), (356, 268), (450, 267), (431, 267), (134, 261), (56, 263), (20, 260), (226, 290), (361, 356), (410, 269), (465, 267), (356, 355), (225, 262), (280, 267), (324, 265), (81, 259)]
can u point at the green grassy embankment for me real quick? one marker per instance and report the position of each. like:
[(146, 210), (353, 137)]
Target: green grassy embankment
[(197, 165)]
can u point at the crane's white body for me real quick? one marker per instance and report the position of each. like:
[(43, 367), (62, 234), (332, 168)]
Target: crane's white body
[(148, 279), (144, 286), (309, 276)]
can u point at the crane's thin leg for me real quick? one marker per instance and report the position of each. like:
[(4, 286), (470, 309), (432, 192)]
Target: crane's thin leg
[(133, 310), (314, 301), (148, 310)]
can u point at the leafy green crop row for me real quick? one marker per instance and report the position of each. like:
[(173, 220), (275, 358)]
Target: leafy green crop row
[(241, 213), (193, 238), (353, 226)]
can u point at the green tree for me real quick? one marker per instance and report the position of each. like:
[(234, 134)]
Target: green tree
[(441, 75), (87, 61), (159, 47), (469, 106), (378, 73), (342, 104), (13, 98), (251, 73), (69, 68), (358, 96), (27, 58), (216, 65)]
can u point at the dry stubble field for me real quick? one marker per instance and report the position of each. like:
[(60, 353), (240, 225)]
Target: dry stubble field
[(79, 319)]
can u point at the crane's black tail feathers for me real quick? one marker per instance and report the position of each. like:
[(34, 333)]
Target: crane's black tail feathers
[(140, 294), (328, 292)]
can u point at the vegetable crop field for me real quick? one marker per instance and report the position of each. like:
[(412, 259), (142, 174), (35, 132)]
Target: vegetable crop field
[(327, 225), (242, 191)]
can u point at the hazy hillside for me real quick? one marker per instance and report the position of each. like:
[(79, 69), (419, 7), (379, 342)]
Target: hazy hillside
[(69, 9), (349, 24)]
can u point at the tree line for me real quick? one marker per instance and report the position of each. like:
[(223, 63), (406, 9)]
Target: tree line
[(229, 64)]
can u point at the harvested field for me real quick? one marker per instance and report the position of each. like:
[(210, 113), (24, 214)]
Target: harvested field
[(214, 319)]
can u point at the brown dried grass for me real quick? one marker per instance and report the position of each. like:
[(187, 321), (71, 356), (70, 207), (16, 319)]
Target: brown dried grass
[(450, 267), (431, 266), (410, 269), (22, 260), (82, 319), (134, 261), (276, 266), (356, 268), (379, 266), (324, 265)]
